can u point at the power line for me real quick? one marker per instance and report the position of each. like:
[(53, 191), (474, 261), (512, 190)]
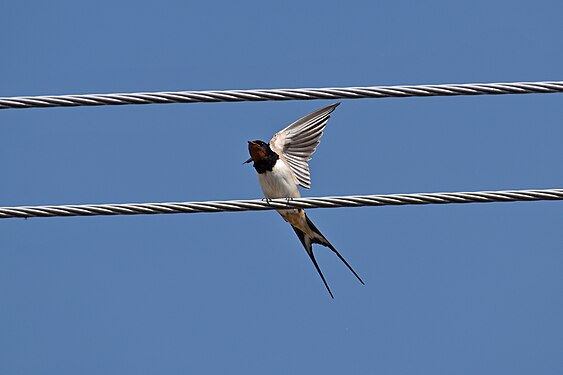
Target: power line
[(258, 205), (281, 94)]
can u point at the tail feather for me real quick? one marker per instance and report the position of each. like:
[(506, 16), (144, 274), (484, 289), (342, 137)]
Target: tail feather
[(308, 245), (323, 241), (308, 242)]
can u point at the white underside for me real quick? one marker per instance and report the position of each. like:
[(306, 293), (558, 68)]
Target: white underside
[(279, 183)]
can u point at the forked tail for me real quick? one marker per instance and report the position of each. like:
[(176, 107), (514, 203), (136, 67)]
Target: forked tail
[(318, 237)]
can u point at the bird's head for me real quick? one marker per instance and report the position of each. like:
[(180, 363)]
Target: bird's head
[(258, 150)]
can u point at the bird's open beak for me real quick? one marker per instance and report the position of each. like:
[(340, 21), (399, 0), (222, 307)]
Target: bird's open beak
[(249, 159)]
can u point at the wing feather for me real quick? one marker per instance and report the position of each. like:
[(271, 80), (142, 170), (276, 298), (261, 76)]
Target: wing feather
[(297, 142)]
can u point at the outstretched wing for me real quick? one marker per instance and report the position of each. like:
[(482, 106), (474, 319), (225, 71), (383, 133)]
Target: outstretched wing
[(296, 143)]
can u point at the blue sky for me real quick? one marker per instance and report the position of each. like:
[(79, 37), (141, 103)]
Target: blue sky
[(456, 289)]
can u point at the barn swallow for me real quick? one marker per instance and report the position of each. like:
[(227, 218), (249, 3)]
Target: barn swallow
[(282, 165)]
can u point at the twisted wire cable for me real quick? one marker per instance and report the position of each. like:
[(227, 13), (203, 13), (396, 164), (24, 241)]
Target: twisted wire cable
[(258, 205), (281, 94)]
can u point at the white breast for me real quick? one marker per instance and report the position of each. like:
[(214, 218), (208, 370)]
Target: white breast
[(279, 182)]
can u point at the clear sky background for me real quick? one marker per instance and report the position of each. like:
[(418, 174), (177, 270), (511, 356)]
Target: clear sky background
[(458, 289)]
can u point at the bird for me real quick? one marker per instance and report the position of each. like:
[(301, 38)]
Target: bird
[(282, 165)]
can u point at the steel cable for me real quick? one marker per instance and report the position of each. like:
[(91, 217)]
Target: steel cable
[(281, 94), (258, 205)]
